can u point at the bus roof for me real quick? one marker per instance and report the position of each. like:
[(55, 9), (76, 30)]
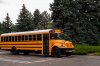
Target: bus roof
[(26, 32)]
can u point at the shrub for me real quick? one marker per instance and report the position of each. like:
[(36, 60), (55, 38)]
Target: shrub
[(86, 49)]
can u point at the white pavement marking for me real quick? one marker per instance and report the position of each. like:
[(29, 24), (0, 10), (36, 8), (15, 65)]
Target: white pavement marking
[(43, 60), (21, 61)]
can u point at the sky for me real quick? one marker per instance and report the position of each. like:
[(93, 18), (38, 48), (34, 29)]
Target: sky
[(13, 7)]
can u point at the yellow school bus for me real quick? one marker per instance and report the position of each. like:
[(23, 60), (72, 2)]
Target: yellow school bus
[(46, 42)]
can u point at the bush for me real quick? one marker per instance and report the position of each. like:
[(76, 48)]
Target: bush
[(86, 49)]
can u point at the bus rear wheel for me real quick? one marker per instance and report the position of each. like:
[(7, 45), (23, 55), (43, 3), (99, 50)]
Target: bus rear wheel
[(56, 52), (14, 51)]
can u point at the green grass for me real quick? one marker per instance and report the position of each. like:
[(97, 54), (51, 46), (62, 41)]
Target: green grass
[(97, 53), (84, 50)]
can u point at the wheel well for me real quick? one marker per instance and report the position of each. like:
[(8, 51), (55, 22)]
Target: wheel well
[(13, 47)]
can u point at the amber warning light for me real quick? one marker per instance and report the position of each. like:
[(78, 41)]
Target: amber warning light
[(57, 31)]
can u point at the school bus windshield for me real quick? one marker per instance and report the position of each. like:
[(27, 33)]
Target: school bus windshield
[(57, 36)]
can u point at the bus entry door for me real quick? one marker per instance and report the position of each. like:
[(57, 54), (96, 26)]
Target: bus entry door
[(46, 44)]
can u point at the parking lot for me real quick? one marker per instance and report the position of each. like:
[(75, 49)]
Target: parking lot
[(7, 59)]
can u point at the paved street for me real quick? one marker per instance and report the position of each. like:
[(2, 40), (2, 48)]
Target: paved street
[(6, 59)]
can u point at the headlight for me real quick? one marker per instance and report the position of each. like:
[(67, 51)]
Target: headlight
[(62, 46)]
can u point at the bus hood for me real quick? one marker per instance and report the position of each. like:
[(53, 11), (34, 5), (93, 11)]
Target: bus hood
[(69, 44), (64, 43)]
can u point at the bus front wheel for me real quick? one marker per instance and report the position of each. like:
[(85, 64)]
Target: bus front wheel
[(56, 52), (14, 51)]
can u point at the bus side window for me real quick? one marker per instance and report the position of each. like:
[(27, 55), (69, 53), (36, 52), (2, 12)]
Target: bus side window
[(9, 38), (26, 37), (30, 37), (12, 38), (15, 38), (19, 38), (34, 37), (39, 37), (2, 39), (6, 38), (51, 36)]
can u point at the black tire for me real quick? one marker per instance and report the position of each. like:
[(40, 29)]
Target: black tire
[(14, 51), (56, 52)]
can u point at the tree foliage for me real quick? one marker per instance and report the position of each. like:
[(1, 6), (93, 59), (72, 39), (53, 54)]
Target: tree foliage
[(37, 18), (41, 20), (80, 19), (24, 21), (7, 25), (1, 31), (45, 19)]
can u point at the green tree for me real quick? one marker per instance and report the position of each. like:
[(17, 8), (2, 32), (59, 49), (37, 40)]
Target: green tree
[(1, 31), (45, 19), (80, 19), (36, 19), (7, 25), (24, 21), (57, 13)]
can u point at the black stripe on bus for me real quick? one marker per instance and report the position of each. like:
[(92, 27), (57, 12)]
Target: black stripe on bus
[(29, 47)]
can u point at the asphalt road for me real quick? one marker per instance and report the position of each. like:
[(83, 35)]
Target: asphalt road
[(6, 59)]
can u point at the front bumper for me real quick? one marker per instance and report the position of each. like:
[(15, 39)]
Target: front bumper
[(67, 50)]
